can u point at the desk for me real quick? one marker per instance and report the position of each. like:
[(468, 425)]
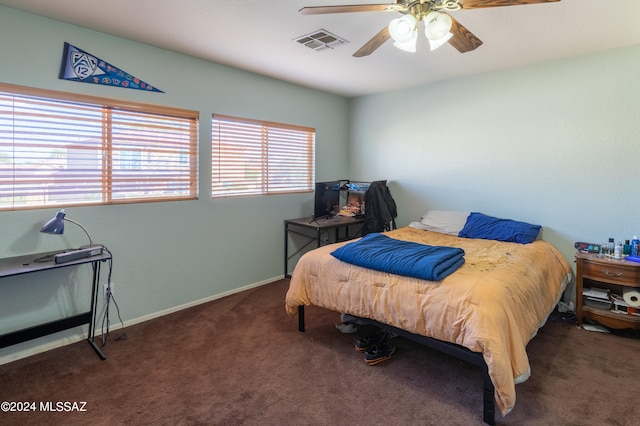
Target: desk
[(314, 229), (19, 265)]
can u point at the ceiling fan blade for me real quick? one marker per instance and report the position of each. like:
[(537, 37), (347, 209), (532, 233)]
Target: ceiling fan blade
[(377, 41), (318, 10), (463, 39), (479, 4)]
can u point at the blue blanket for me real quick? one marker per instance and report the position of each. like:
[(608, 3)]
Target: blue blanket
[(379, 252)]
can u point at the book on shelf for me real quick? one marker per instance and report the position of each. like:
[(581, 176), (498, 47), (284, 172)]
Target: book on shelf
[(596, 293)]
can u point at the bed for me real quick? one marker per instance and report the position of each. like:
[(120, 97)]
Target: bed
[(485, 312)]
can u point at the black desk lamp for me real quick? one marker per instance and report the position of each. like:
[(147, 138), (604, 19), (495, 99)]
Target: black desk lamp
[(56, 226)]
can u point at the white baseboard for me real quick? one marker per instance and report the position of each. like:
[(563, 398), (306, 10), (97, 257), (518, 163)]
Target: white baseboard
[(78, 337)]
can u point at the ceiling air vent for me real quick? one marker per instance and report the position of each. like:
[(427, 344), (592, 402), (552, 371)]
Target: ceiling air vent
[(320, 40)]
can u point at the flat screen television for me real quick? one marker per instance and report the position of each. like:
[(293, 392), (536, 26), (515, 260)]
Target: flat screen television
[(327, 199)]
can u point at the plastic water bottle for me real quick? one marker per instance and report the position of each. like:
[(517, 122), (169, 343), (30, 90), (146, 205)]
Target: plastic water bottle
[(635, 246)]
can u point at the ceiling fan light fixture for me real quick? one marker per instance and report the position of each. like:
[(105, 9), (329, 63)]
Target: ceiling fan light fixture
[(437, 25), (409, 45), (403, 30), (434, 44)]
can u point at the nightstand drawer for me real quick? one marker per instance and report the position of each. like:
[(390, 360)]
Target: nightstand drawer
[(611, 272)]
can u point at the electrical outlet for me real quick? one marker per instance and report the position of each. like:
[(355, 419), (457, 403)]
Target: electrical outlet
[(105, 288)]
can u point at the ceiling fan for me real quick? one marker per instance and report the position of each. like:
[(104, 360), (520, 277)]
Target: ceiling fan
[(440, 27)]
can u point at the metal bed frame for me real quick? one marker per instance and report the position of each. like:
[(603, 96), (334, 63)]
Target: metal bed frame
[(457, 351)]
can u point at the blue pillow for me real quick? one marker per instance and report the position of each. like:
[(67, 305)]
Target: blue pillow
[(479, 225)]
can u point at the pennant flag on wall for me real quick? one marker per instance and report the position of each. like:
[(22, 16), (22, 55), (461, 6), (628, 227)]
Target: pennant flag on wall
[(78, 65)]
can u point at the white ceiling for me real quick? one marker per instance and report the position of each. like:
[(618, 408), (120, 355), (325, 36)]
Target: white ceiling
[(257, 35)]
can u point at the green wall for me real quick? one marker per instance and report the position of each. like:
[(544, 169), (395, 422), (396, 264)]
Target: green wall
[(172, 254), (556, 144)]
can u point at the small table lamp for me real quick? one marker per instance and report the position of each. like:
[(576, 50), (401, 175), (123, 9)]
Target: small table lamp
[(56, 226)]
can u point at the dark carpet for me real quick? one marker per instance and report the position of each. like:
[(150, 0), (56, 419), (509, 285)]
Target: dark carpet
[(240, 360)]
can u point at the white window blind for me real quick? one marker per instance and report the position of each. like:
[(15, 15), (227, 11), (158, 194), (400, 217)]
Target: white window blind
[(253, 157), (65, 149)]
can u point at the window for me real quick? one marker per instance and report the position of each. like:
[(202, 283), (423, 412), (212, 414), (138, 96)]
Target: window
[(252, 157), (66, 149)]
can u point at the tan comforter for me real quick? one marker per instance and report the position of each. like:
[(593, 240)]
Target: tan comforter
[(493, 304)]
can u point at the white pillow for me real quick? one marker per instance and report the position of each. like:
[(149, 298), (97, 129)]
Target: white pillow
[(444, 221)]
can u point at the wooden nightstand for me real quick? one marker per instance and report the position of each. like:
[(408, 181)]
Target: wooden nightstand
[(605, 273)]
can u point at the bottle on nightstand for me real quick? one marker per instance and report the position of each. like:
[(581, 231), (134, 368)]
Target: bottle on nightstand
[(617, 252), (635, 246)]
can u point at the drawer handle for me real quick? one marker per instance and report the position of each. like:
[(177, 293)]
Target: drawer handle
[(612, 274)]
